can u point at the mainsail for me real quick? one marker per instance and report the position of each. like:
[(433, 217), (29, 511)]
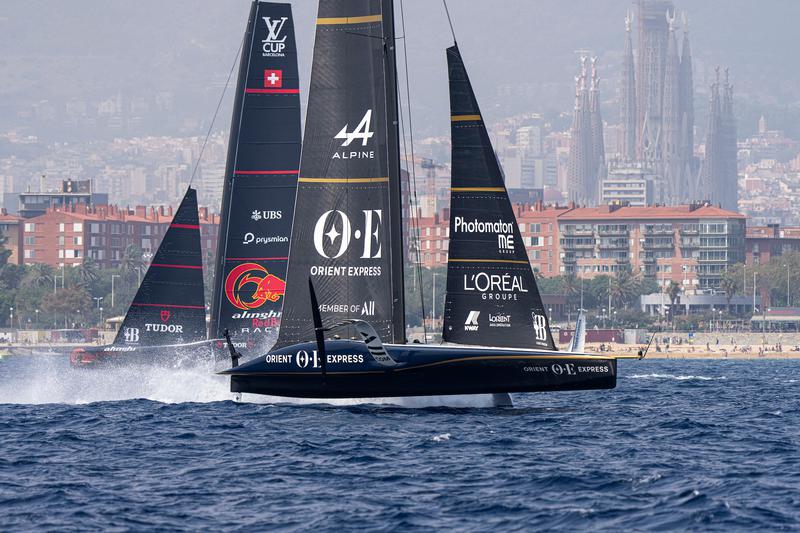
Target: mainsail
[(346, 235), (492, 298), (260, 181), (169, 307)]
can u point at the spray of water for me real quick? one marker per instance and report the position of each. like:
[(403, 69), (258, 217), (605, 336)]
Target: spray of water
[(43, 379)]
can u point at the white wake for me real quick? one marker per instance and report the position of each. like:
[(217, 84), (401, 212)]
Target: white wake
[(43, 380)]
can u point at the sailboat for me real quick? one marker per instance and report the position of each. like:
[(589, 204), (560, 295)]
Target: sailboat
[(260, 183), (166, 321), (346, 258)]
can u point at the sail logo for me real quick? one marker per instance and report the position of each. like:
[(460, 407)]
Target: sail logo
[(333, 234), (471, 323), (503, 230), (495, 286), (250, 238), (274, 45), (250, 285), (273, 79), (499, 320), (362, 132), (131, 335), (539, 327), (266, 215)]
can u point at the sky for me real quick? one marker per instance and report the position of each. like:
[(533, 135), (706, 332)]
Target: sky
[(56, 50)]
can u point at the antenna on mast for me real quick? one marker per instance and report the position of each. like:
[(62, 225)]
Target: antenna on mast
[(449, 21)]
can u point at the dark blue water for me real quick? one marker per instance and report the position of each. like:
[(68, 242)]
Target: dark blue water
[(702, 445)]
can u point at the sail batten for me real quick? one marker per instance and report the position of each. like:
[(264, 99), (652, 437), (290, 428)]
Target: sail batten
[(492, 298), (260, 182)]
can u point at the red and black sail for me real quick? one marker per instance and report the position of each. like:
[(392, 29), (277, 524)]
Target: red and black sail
[(260, 182), (492, 298), (169, 307), (346, 235)]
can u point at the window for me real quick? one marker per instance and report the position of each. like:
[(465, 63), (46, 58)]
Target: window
[(77, 241), (30, 227), (78, 253), (77, 227), (29, 254), (30, 240), (94, 228), (61, 227), (60, 240), (61, 254)]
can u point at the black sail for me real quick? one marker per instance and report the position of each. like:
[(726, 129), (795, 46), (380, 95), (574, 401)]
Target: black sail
[(169, 307), (346, 232), (492, 298), (260, 182)]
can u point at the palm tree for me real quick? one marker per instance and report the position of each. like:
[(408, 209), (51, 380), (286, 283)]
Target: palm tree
[(88, 272), (730, 287), (39, 275), (132, 262), (674, 293)]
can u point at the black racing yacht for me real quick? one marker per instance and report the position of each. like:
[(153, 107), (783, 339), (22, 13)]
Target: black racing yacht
[(343, 326), (260, 183), (166, 322)]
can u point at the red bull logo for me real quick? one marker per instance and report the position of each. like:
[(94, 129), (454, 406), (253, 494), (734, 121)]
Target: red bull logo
[(253, 277)]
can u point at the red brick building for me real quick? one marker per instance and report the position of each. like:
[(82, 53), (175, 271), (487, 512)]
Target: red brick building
[(11, 230), (692, 245), (103, 233), (766, 242)]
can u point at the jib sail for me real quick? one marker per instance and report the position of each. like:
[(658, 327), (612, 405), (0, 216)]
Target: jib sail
[(169, 307), (346, 233), (260, 182), (492, 298)]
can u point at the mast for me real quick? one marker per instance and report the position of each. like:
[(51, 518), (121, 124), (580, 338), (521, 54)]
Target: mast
[(395, 194)]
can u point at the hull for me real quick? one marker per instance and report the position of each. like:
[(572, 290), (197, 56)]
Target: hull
[(178, 355), (422, 370)]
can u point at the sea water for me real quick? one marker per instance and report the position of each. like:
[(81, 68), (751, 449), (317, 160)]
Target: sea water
[(699, 444)]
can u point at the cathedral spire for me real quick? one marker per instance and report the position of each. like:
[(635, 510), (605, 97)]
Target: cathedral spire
[(579, 174), (598, 161), (628, 95), (686, 104), (671, 125)]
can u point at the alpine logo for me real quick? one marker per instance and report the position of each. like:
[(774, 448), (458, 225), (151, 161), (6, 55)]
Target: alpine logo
[(540, 327), (131, 335), (273, 79), (471, 324), (274, 45), (362, 132)]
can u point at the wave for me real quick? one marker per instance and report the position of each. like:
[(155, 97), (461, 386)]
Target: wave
[(671, 376)]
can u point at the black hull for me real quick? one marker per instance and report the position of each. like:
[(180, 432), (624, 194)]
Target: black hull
[(475, 373), (169, 356)]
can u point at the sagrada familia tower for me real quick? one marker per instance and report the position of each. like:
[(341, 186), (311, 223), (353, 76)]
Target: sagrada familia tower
[(587, 158), (657, 119)]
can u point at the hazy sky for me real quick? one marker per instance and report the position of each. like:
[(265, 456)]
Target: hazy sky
[(56, 50)]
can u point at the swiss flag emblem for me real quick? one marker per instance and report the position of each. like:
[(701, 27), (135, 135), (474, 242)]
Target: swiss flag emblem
[(273, 79)]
